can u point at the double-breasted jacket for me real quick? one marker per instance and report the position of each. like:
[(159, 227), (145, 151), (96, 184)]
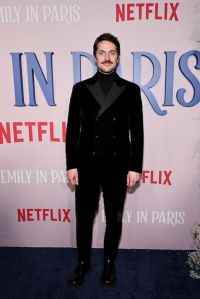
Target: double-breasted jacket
[(109, 128)]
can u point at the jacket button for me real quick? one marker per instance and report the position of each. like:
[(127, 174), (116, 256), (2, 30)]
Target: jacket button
[(97, 119), (114, 119), (114, 136), (96, 136), (93, 153), (114, 154)]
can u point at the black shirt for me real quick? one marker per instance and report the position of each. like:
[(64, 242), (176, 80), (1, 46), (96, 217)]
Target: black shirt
[(106, 81)]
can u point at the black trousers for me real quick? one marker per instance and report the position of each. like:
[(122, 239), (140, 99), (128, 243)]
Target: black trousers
[(87, 200)]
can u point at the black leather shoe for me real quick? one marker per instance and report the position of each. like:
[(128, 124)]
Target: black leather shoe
[(76, 278), (109, 274)]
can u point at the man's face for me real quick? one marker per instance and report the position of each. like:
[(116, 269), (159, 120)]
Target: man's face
[(106, 57)]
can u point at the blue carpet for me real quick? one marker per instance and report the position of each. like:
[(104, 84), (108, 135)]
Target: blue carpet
[(142, 274)]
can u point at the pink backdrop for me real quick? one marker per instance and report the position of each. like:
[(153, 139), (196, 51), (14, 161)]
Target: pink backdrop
[(160, 51)]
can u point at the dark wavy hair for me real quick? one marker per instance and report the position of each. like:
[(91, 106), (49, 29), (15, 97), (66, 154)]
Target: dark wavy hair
[(107, 37)]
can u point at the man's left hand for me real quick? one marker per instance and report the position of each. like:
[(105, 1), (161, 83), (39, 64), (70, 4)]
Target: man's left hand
[(133, 178)]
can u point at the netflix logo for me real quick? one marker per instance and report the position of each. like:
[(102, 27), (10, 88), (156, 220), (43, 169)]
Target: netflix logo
[(43, 215), (15, 132), (147, 11), (160, 177)]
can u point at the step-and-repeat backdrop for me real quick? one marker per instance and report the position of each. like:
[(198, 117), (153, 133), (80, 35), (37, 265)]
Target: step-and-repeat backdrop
[(46, 46)]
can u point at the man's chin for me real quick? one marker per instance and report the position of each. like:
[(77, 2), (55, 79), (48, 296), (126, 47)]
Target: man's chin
[(106, 71)]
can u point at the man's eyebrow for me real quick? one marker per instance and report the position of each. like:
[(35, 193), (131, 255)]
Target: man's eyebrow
[(108, 51)]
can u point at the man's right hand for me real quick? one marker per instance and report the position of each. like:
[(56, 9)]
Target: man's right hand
[(72, 176)]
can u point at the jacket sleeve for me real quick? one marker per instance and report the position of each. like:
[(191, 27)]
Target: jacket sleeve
[(136, 131), (73, 129)]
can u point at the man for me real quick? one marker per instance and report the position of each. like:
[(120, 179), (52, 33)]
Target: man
[(104, 149)]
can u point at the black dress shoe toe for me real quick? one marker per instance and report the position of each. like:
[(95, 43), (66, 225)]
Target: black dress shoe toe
[(109, 274), (76, 278)]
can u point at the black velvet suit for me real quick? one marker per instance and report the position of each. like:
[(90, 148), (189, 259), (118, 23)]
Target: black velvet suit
[(104, 141)]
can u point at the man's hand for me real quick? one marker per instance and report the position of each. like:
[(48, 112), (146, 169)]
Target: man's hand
[(132, 178), (72, 175)]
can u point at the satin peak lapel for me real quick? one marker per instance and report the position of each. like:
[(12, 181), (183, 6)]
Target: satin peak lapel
[(97, 93)]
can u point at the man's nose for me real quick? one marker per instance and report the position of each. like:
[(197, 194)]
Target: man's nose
[(107, 56)]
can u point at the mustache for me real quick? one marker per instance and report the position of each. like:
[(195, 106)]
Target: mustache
[(107, 61)]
